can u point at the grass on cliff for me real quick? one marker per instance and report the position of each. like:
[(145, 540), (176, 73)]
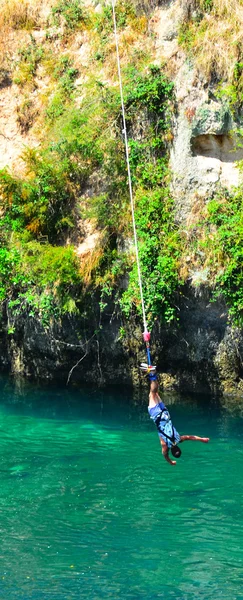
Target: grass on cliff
[(31, 14), (47, 203), (42, 210), (20, 15), (213, 249), (215, 30), (224, 248), (39, 279)]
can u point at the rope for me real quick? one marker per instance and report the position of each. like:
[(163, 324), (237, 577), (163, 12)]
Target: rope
[(128, 167)]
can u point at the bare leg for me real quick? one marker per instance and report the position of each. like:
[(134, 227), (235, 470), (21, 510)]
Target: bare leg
[(194, 438)]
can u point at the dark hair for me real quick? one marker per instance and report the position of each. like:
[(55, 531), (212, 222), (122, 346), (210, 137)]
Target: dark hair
[(176, 451)]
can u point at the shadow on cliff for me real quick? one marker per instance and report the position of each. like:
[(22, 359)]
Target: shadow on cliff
[(189, 353), (221, 147)]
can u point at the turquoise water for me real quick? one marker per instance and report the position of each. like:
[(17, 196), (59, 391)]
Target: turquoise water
[(89, 508)]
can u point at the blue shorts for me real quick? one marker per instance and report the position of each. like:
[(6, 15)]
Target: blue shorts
[(166, 426)]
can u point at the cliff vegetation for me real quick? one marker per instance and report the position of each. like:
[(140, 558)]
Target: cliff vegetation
[(65, 225)]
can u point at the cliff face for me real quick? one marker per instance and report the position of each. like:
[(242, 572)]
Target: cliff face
[(201, 354), (202, 349)]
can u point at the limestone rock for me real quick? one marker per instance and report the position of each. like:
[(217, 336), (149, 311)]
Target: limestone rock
[(205, 150), (212, 118)]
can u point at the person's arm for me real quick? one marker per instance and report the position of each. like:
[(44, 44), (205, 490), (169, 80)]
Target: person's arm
[(165, 452)]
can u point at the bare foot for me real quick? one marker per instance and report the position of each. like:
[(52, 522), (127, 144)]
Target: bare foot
[(205, 440)]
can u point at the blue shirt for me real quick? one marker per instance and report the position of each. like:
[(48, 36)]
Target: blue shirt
[(156, 410), (166, 430)]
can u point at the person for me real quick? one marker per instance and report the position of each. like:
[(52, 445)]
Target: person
[(168, 435)]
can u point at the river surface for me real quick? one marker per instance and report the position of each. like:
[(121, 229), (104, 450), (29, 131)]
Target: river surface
[(89, 509)]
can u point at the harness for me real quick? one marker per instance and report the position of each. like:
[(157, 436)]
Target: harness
[(157, 423)]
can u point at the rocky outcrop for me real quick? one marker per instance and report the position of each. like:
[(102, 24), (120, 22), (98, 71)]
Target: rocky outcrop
[(212, 118), (204, 352), (205, 150), (201, 353)]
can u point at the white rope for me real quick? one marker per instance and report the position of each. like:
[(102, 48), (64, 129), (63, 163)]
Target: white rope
[(128, 167)]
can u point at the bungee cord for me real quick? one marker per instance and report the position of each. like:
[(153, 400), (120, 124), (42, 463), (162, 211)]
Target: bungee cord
[(146, 335), (128, 166)]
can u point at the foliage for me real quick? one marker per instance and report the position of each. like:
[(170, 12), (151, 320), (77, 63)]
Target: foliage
[(159, 250), (43, 203), (29, 58), (55, 266), (84, 152), (83, 137), (56, 107), (232, 91), (42, 278), (206, 5), (153, 96), (8, 260), (225, 215), (127, 19), (71, 11), (150, 97), (153, 92), (40, 209), (125, 12), (214, 30), (65, 74)]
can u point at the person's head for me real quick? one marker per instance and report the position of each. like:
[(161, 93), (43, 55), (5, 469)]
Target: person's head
[(176, 451), (154, 386)]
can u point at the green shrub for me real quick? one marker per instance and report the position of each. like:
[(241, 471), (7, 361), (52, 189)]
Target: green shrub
[(225, 213), (29, 59), (8, 261), (232, 92), (65, 74), (104, 20), (43, 203), (55, 266), (150, 98), (56, 107), (159, 251), (71, 11), (41, 279), (207, 5)]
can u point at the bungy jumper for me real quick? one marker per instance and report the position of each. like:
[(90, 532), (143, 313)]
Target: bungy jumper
[(145, 367)]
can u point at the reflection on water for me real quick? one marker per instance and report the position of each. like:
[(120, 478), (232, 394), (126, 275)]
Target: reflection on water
[(89, 508)]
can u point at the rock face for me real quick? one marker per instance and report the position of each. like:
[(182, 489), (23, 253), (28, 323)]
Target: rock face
[(212, 118), (202, 353), (205, 150)]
